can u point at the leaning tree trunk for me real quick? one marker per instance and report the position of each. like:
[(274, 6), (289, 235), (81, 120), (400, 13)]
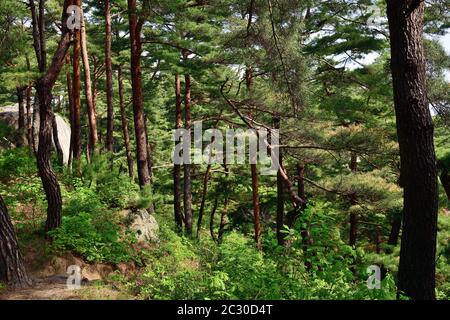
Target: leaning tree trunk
[(177, 167), (12, 269), (48, 177), (416, 277), (138, 107), (44, 87), (109, 80)]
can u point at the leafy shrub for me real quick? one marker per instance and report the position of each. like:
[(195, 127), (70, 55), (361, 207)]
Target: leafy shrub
[(96, 239), (17, 163), (90, 229), (83, 200), (184, 269)]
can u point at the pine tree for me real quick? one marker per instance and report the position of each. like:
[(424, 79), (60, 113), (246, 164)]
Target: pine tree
[(418, 162)]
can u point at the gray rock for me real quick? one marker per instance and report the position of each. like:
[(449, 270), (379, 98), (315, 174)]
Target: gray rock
[(142, 224), (10, 116)]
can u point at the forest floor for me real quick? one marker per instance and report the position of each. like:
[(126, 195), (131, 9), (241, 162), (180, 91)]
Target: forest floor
[(55, 288), (44, 289), (50, 280)]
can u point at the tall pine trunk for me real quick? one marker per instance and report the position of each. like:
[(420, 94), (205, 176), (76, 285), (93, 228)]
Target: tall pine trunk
[(12, 269), (92, 115), (177, 167), (138, 107), (76, 93), (254, 174), (69, 96), (109, 79), (42, 41), (187, 166), (126, 133), (416, 276)]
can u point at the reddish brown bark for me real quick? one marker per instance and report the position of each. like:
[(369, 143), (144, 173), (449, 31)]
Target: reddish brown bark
[(138, 107), (109, 79), (69, 96), (76, 93)]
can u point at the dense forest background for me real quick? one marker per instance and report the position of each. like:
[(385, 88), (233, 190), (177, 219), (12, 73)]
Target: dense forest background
[(362, 102)]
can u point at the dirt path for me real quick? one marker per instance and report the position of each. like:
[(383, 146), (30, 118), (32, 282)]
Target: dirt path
[(55, 288)]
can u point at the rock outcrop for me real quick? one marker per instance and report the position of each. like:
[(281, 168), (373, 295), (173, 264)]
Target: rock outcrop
[(142, 224), (10, 116)]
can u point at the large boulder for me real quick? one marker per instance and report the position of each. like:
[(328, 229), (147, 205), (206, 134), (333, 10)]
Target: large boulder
[(142, 224), (10, 116)]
